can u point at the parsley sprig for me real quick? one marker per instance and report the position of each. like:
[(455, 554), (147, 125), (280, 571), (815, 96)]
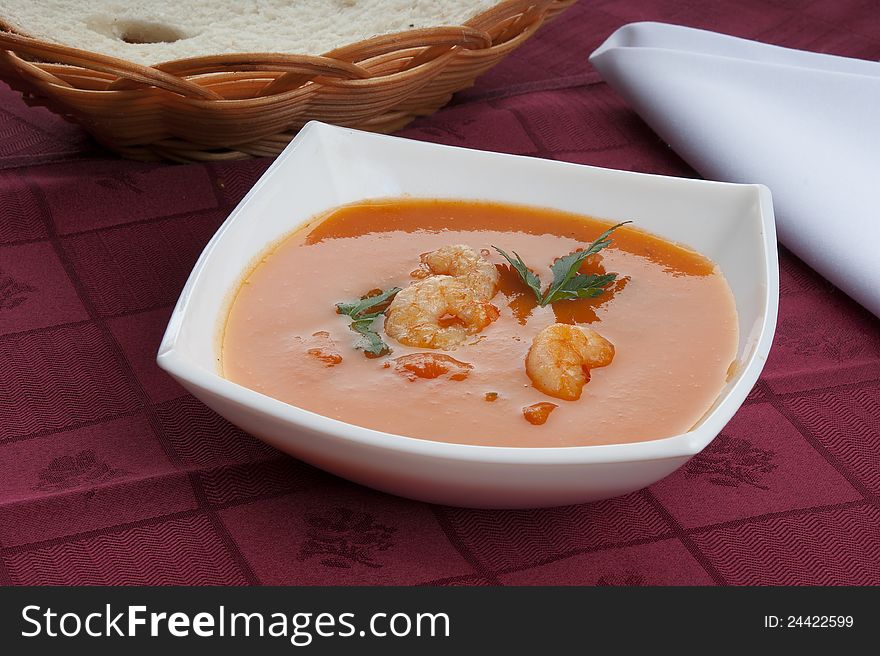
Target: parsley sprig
[(362, 313), (568, 283)]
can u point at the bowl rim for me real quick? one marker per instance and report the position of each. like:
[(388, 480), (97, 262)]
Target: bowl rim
[(683, 445)]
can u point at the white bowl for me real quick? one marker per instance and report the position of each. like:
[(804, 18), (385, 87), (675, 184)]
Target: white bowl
[(328, 166)]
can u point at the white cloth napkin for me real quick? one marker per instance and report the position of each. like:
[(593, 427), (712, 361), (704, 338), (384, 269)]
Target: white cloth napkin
[(804, 124)]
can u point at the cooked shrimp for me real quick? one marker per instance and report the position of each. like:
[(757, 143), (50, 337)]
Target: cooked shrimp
[(464, 263), (561, 357), (438, 312)]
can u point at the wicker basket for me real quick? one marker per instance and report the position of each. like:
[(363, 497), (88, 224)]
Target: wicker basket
[(233, 106)]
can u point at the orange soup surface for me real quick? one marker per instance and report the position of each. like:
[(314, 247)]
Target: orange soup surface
[(670, 316)]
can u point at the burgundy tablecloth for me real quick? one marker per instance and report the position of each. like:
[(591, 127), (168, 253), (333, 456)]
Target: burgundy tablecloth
[(111, 474)]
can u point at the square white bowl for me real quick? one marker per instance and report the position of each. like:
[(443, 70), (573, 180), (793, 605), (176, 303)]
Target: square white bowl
[(326, 166)]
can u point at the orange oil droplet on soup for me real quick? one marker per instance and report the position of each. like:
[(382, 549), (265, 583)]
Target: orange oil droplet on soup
[(537, 413)]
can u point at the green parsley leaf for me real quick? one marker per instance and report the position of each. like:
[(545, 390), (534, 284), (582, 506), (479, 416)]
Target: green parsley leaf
[(568, 283), (524, 272), (362, 313), (584, 286), (357, 308)]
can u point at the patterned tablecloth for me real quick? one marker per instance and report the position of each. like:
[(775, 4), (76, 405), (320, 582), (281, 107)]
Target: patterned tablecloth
[(111, 474)]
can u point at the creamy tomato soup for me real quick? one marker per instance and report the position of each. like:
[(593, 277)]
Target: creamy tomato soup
[(670, 317)]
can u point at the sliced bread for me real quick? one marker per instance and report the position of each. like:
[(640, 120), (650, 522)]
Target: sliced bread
[(155, 31)]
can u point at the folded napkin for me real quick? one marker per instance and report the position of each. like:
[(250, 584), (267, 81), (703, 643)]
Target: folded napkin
[(804, 124)]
